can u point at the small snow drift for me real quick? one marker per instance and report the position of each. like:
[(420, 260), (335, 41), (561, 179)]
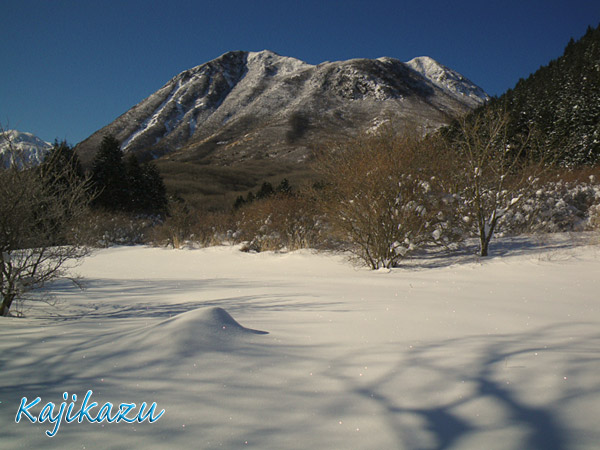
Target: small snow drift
[(187, 334), (204, 320)]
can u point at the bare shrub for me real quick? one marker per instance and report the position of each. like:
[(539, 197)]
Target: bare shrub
[(186, 226), (382, 196), (178, 227), (104, 229), (279, 222), (213, 228)]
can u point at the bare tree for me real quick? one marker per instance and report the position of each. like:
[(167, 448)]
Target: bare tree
[(38, 205), (493, 170)]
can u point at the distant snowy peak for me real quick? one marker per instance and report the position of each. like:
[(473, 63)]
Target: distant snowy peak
[(24, 149), (447, 79)]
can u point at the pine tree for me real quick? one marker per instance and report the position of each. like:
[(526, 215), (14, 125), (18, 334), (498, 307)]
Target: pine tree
[(62, 155), (239, 202), (109, 176), (123, 184), (266, 190), (284, 187), (154, 197), (62, 166), (136, 189)]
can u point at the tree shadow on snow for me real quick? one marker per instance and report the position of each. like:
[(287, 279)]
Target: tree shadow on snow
[(502, 247), (128, 299), (446, 420)]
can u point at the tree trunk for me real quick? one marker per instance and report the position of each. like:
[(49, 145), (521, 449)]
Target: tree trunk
[(483, 237), (484, 246), (486, 231), (5, 305)]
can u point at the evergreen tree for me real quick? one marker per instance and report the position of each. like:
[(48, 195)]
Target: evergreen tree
[(136, 189), (266, 190), (62, 155), (123, 184), (154, 195), (61, 173), (239, 202), (284, 187), (109, 176), (61, 167)]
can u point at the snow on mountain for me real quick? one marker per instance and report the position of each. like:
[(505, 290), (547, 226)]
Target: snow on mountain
[(448, 79), (251, 104), (23, 149)]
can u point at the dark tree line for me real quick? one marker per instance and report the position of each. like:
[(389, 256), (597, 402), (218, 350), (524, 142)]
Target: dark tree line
[(266, 190), (562, 101), (123, 184)]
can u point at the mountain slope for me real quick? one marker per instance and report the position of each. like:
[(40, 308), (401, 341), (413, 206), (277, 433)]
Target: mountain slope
[(253, 105), (449, 80), (23, 149), (562, 100)]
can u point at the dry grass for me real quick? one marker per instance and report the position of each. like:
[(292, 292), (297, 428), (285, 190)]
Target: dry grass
[(215, 188)]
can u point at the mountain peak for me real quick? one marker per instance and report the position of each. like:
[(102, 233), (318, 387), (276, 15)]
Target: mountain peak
[(275, 63), (28, 149), (448, 79), (245, 104), (264, 54)]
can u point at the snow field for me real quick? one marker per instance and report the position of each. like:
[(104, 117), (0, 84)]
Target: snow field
[(495, 353)]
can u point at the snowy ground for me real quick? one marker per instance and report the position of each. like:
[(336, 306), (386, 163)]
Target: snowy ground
[(498, 353)]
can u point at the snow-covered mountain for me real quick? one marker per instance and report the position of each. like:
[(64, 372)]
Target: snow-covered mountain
[(23, 149), (448, 79), (248, 105)]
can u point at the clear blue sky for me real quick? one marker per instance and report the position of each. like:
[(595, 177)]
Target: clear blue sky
[(70, 67)]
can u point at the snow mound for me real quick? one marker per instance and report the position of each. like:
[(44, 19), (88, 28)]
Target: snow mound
[(186, 335), (203, 321)]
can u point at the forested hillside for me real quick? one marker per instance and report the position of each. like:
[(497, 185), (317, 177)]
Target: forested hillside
[(562, 101)]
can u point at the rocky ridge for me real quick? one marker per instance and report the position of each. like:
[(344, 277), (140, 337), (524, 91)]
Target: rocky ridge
[(253, 105)]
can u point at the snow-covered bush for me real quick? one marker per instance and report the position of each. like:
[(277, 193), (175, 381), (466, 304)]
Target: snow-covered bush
[(420, 216), (594, 217), (104, 229), (279, 222), (555, 206), (185, 227), (382, 199)]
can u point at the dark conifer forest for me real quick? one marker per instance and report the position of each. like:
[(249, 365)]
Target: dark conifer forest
[(562, 101)]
